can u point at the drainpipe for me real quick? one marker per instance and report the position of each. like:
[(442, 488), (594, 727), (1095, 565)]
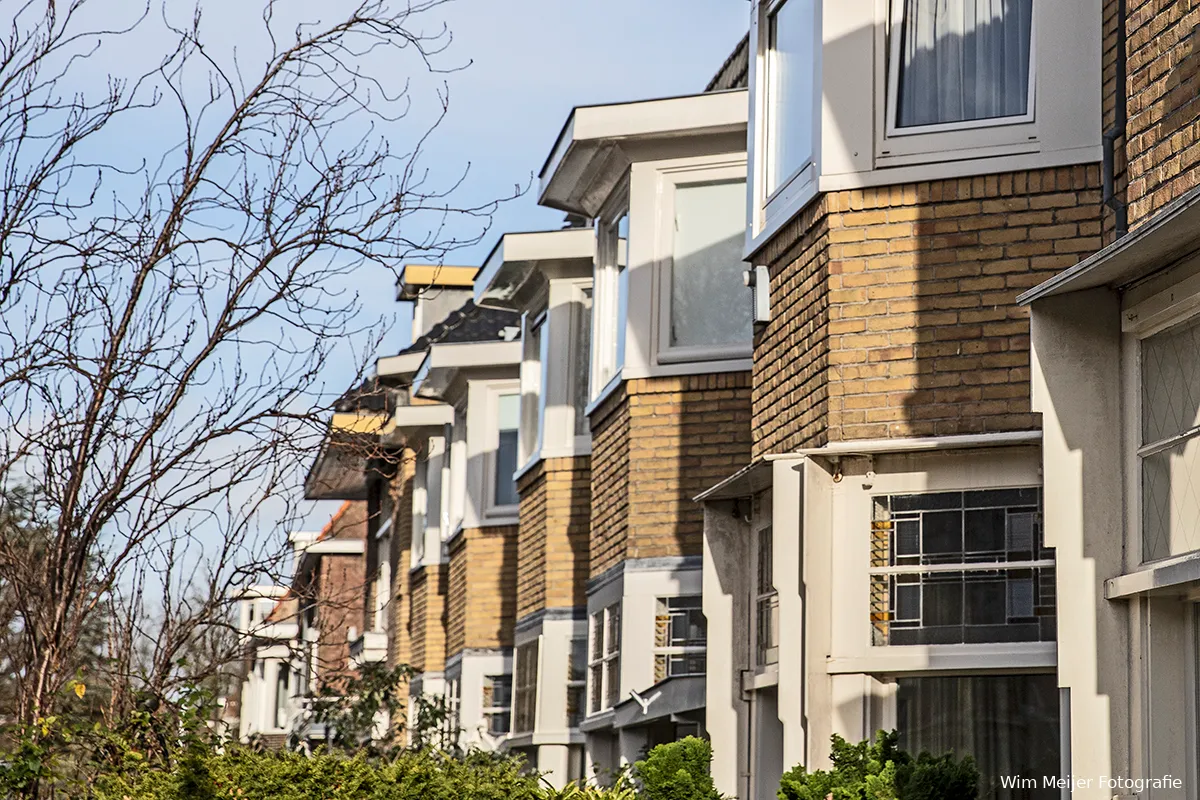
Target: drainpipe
[(1117, 130)]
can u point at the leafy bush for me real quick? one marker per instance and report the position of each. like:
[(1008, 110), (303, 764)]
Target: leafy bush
[(678, 771), (242, 774), (880, 770)]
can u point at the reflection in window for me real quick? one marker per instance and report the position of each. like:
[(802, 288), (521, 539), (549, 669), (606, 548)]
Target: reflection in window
[(962, 60), (961, 568), (791, 87), (576, 681), (1008, 723), (581, 351), (508, 423), (710, 305)]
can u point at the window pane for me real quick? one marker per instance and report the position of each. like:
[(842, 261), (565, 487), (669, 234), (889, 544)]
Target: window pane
[(1008, 724), (508, 416), (1171, 501), (612, 674), (790, 90), (963, 60), (577, 660), (710, 304), (1171, 382)]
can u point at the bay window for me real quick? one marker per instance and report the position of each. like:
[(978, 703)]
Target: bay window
[(680, 637), (604, 659), (1169, 451), (534, 363), (1008, 723), (959, 63), (961, 568)]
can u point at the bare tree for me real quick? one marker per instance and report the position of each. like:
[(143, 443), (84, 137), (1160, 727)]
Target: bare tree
[(164, 324)]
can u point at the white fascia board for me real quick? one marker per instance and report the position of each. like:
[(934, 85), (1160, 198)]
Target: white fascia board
[(425, 416), (868, 447), (510, 266), (445, 359), (590, 133), (399, 366), (337, 547)]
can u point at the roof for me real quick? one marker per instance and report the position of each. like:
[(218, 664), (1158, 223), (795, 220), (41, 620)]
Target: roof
[(735, 72), (519, 266), (471, 323)]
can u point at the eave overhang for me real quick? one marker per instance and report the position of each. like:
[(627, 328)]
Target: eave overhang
[(444, 361), (519, 267), (339, 471), (411, 422), (398, 369), (592, 151), (415, 278), (1171, 235)]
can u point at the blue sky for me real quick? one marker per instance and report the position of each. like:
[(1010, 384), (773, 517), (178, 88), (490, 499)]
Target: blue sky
[(532, 61)]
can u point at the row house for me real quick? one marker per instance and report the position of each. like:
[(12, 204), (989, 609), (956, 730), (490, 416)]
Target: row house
[(297, 638), (886, 557), (1116, 378)]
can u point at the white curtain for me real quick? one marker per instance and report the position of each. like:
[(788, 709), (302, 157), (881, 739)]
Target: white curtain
[(963, 60)]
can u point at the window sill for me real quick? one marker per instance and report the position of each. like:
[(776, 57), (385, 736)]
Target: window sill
[(690, 368), (1168, 576), (760, 678), (933, 659), (778, 218)]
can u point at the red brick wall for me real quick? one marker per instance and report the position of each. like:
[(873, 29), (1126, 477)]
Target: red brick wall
[(894, 310), (338, 588), (656, 444)]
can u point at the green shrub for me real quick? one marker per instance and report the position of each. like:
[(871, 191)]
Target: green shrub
[(242, 774), (678, 771), (880, 770)]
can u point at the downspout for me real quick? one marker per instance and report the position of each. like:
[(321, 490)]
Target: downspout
[(1120, 121)]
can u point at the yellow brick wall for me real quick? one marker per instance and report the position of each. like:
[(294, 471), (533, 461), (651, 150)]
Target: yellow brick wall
[(552, 545), (427, 620), (1163, 133), (399, 641), (894, 310), (656, 444), (481, 596)]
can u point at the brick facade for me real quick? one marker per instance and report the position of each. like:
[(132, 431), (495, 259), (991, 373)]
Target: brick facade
[(481, 589), (894, 308), (400, 488), (427, 618), (656, 444), (1163, 132), (337, 587), (552, 544)]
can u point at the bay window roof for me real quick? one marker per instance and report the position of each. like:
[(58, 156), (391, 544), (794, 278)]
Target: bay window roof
[(444, 362), (598, 143), (521, 264)]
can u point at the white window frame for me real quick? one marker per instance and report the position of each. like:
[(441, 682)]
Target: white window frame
[(669, 180), (1176, 304), (769, 211), (578, 685), (383, 583), (582, 293), (950, 141), (534, 367), (760, 526), (608, 323), (453, 697), (666, 651), (598, 662), (491, 509), (488, 712)]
